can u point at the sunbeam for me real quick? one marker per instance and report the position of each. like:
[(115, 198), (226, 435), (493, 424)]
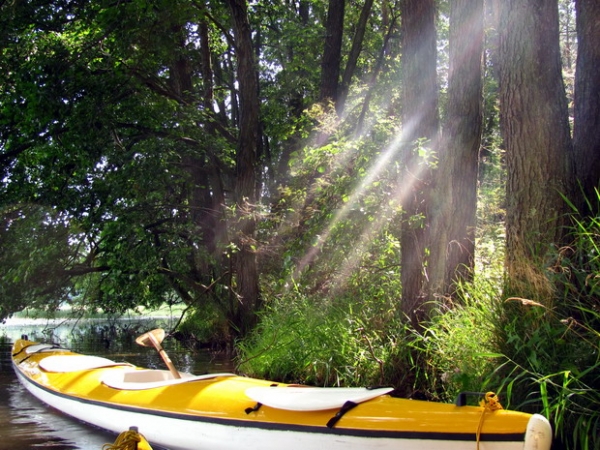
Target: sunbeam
[(402, 187)]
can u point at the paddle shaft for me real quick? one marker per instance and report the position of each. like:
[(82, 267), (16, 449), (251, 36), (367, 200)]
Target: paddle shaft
[(164, 356)]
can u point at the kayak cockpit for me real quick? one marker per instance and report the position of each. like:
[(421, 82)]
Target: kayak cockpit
[(134, 380), (74, 363)]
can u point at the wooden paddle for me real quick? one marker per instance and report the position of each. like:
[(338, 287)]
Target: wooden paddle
[(153, 339)]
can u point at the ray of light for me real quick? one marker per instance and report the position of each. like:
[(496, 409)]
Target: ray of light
[(386, 157)]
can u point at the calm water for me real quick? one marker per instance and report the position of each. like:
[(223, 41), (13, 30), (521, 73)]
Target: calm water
[(28, 424)]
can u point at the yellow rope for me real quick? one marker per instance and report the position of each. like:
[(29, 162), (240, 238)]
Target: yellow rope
[(489, 403), (128, 440)]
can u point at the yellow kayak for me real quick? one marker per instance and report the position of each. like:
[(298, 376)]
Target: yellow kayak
[(229, 412)]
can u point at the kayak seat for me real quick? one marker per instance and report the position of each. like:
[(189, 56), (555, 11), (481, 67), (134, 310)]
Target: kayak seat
[(42, 348), (135, 380), (75, 363)]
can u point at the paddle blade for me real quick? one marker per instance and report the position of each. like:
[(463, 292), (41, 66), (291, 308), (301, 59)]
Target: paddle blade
[(146, 341)]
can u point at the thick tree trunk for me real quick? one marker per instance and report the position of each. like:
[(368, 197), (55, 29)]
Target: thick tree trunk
[(586, 130), (247, 295), (419, 121), (536, 132), (455, 199)]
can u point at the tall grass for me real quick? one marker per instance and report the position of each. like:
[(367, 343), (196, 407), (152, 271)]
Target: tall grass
[(550, 364), (457, 344), (300, 341)]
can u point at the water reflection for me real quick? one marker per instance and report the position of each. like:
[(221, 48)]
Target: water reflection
[(28, 424)]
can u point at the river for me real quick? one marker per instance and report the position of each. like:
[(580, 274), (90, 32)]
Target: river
[(28, 424)]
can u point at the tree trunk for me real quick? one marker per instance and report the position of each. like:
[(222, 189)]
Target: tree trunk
[(536, 131), (247, 299), (332, 54), (204, 181), (354, 54), (586, 130), (419, 121), (455, 199)]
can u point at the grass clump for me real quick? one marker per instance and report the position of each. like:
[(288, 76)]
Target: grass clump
[(457, 345), (539, 348), (551, 365), (300, 341)]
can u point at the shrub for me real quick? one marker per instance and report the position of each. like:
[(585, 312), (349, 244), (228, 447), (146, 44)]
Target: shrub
[(300, 340)]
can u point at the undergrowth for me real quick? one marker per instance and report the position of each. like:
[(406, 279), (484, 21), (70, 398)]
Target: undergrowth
[(539, 355), (298, 341), (551, 347)]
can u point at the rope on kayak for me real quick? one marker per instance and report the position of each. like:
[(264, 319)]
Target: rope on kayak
[(489, 403), (129, 440)]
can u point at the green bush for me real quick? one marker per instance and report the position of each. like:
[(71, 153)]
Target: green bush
[(456, 346), (206, 325), (300, 340)]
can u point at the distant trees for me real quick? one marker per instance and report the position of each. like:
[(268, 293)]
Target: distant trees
[(133, 145)]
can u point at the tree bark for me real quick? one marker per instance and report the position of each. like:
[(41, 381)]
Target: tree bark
[(247, 296), (203, 191), (419, 121), (586, 130), (455, 200), (354, 54), (534, 120), (332, 53)]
